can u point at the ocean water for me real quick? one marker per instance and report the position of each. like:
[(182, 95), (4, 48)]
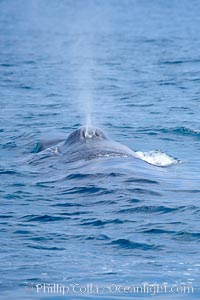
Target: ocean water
[(133, 69)]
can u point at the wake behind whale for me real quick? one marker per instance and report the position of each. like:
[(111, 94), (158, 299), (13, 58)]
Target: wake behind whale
[(89, 142)]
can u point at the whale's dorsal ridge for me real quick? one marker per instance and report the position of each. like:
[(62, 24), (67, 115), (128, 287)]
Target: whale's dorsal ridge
[(86, 133)]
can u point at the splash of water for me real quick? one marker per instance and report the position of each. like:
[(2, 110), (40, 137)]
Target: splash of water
[(157, 158)]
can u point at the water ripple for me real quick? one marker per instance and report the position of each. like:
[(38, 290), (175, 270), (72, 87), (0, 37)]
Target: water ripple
[(151, 209), (42, 218), (127, 244)]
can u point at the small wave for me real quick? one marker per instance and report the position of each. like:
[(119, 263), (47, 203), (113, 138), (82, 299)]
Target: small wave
[(86, 190), (100, 237), (8, 172), (183, 131), (188, 236), (141, 180), (91, 176), (151, 209), (101, 222), (158, 231), (8, 145), (157, 158), (39, 247), (127, 244), (66, 204), (144, 191), (43, 218), (180, 61), (22, 232), (5, 216)]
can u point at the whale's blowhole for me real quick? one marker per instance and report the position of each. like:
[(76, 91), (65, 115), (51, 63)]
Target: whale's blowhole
[(86, 134)]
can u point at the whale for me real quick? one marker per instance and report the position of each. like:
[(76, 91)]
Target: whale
[(89, 142), (85, 143)]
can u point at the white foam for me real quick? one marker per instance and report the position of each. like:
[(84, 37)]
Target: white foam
[(157, 158)]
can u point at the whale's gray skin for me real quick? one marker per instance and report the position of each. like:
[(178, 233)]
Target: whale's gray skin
[(88, 143)]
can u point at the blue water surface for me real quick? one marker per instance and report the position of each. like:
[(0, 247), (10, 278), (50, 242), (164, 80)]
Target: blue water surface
[(134, 66)]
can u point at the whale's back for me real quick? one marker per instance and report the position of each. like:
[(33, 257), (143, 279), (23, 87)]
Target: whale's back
[(86, 143), (89, 143)]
